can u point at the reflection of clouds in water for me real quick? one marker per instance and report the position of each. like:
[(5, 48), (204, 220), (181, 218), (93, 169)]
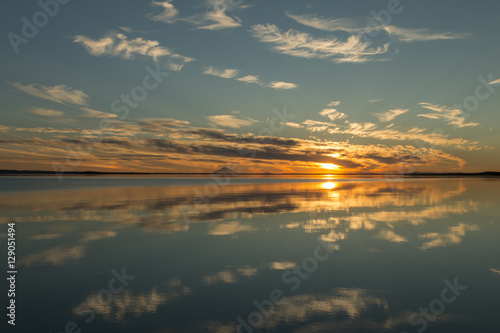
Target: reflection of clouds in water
[(55, 256), (220, 277), (96, 235), (135, 205), (229, 228), (391, 236), (123, 304), (248, 272), (351, 206), (454, 236), (282, 265), (129, 303), (495, 271), (60, 254), (231, 275)]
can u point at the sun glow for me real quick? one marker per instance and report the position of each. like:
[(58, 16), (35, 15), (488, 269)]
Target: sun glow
[(329, 185), (329, 166)]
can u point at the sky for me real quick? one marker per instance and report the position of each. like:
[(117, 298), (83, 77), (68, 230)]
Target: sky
[(340, 86)]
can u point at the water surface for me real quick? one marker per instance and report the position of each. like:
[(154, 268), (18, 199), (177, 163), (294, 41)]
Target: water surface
[(206, 257)]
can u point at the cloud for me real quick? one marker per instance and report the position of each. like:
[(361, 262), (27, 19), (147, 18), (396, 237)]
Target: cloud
[(282, 85), (497, 81), (450, 115), (390, 115), (226, 73), (332, 114), (217, 17), (60, 93), (300, 44), (363, 26), (118, 45), (330, 24), (333, 103), (250, 79), (230, 121), (232, 73), (169, 13), (369, 130), (52, 115), (169, 145), (420, 35), (46, 112), (294, 125), (374, 100), (90, 113)]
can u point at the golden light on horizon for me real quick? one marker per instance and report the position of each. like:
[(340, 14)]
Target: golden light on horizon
[(329, 166)]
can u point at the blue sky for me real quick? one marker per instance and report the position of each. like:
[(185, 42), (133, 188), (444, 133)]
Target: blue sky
[(370, 86)]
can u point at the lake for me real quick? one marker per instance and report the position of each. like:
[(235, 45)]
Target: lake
[(199, 254)]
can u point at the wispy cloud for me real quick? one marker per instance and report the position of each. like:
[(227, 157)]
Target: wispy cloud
[(329, 24), (90, 113), (169, 13), (360, 26), (420, 35), (332, 114), (230, 121), (333, 103), (217, 17), (250, 79), (370, 130), (497, 81), (46, 112), (118, 45), (300, 44), (232, 73), (223, 73), (59, 93), (450, 115), (375, 100), (219, 14), (282, 85), (52, 115), (390, 115)]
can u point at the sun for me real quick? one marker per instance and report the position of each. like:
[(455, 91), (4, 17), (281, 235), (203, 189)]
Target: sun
[(329, 166)]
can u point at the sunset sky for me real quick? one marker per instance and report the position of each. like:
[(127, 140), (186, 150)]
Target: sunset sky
[(257, 86)]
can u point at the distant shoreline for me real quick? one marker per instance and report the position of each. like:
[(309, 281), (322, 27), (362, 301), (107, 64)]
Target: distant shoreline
[(98, 173)]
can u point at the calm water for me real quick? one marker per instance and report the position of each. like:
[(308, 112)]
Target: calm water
[(331, 255)]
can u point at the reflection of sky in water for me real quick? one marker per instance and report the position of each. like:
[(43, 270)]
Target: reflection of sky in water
[(394, 247)]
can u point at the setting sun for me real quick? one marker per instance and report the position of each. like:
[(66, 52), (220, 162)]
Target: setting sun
[(329, 166)]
